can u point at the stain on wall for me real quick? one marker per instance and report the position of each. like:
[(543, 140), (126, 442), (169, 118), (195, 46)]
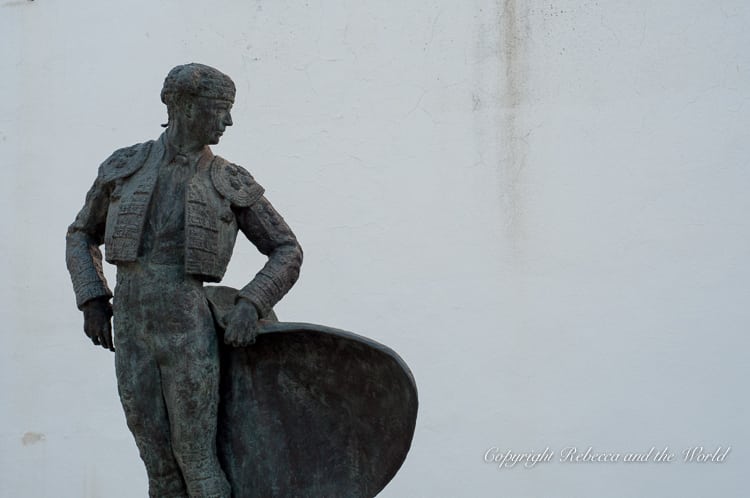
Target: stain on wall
[(499, 102), (30, 438), (512, 41), (16, 3), (513, 31)]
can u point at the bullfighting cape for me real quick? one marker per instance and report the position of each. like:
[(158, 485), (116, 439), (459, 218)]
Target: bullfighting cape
[(311, 411)]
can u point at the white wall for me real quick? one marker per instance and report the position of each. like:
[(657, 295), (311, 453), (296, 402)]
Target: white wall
[(540, 205)]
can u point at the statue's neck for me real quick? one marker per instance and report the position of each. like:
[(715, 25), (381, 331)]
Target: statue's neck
[(181, 141)]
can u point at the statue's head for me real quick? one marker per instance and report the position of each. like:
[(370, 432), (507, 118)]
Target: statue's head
[(199, 99)]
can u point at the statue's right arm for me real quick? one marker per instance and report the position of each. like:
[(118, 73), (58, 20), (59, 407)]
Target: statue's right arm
[(84, 261)]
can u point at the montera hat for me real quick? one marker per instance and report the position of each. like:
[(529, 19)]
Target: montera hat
[(197, 80)]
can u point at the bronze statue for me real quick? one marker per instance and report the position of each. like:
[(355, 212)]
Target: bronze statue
[(168, 212)]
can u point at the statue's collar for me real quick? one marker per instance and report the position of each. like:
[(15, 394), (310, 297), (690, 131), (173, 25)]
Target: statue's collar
[(172, 153)]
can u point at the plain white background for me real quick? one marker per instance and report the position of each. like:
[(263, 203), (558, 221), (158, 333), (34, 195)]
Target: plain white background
[(541, 205)]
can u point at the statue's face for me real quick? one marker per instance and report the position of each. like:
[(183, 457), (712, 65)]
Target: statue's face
[(208, 118)]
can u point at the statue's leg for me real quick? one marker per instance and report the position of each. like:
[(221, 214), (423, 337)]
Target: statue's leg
[(140, 388), (190, 378)]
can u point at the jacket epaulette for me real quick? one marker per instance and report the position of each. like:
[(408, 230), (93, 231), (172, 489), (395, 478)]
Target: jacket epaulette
[(124, 162), (234, 183)]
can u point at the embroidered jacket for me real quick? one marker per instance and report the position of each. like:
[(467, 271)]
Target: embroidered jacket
[(220, 199)]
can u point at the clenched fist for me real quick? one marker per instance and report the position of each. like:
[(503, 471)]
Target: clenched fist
[(242, 324)]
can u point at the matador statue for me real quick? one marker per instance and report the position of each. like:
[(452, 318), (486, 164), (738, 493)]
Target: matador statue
[(212, 413)]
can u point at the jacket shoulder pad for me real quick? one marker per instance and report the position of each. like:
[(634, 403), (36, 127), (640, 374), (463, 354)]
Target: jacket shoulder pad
[(124, 162), (234, 183)]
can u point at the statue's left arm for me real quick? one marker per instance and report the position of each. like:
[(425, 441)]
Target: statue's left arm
[(268, 231)]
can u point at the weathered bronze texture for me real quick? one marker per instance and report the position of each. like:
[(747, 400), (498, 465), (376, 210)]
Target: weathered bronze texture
[(168, 212), (311, 411)]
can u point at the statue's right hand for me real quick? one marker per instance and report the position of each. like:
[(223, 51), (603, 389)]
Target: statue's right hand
[(97, 323)]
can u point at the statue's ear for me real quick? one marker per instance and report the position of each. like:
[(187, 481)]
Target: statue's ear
[(188, 108)]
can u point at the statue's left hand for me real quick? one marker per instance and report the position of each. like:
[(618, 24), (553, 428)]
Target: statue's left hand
[(242, 324)]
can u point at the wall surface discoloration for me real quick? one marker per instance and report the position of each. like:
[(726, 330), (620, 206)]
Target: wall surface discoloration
[(512, 40), (499, 101), (30, 438), (16, 3)]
